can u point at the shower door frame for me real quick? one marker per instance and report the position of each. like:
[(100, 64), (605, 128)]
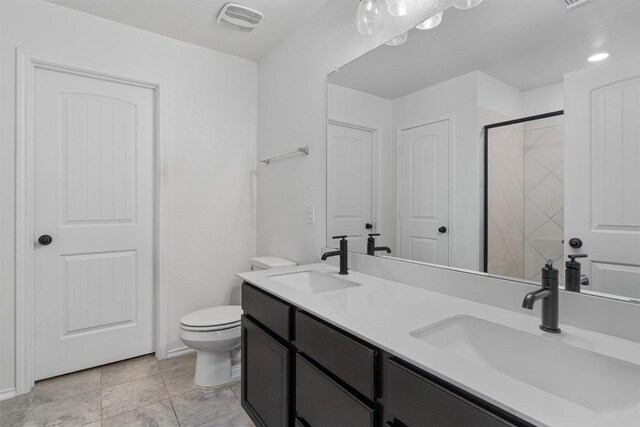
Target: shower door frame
[(486, 172)]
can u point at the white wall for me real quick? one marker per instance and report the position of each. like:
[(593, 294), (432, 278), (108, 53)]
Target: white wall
[(543, 100), (292, 112), (498, 96), (352, 106), (210, 137)]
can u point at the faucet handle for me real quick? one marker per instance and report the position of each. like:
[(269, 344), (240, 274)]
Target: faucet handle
[(574, 256), (340, 237), (374, 234)]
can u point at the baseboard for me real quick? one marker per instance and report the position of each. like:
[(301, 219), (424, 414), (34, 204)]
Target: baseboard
[(7, 393), (180, 351)]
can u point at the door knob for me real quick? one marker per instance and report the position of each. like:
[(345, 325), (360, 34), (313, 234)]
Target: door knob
[(45, 240), (368, 226), (442, 229), (575, 243)]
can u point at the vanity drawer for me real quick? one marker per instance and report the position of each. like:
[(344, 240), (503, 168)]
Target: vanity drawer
[(411, 399), (320, 401), (270, 312), (348, 359)]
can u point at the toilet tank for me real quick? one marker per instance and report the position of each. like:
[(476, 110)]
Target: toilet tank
[(269, 262)]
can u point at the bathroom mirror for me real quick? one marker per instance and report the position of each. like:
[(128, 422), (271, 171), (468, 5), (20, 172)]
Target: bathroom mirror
[(496, 141)]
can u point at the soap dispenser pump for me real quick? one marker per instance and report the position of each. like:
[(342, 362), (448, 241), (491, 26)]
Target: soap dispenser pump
[(572, 276)]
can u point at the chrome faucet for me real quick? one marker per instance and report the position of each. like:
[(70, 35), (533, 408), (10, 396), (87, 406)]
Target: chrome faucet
[(549, 296), (343, 253)]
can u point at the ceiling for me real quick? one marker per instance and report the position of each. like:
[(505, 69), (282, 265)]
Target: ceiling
[(525, 43), (194, 21)]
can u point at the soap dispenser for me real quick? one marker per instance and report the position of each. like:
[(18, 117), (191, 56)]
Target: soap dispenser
[(572, 276)]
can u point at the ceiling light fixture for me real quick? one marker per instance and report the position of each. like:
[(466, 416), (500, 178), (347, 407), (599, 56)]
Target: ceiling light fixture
[(430, 23), (369, 17), (598, 57), (398, 40), (403, 7), (467, 4)]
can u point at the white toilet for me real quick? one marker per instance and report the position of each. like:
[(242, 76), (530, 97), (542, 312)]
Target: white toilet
[(215, 334)]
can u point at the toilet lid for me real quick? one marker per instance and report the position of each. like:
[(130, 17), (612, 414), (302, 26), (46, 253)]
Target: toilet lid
[(214, 316)]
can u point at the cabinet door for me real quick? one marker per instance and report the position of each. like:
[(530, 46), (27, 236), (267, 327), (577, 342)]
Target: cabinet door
[(413, 400), (320, 401), (267, 310), (265, 377), (349, 360)]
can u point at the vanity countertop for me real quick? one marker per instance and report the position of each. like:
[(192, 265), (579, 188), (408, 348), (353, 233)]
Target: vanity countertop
[(384, 312)]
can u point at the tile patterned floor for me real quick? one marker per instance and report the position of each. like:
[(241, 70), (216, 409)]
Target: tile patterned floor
[(140, 392)]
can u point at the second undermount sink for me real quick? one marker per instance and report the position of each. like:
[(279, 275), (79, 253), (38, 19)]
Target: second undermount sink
[(592, 380), (313, 282)]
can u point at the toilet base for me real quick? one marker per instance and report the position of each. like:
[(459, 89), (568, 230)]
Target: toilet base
[(213, 369)]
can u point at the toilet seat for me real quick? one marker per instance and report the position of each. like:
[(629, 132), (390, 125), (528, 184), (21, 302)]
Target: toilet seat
[(210, 328), (212, 319)]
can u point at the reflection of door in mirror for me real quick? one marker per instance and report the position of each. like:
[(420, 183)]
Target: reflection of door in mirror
[(424, 193), (603, 174), (349, 184)]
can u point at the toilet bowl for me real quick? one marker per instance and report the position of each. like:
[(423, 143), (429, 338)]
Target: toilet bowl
[(214, 333)]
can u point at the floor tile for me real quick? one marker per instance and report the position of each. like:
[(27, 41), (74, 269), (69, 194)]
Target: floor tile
[(180, 380), (93, 424), (127, 370), (77, 410), (236, 388), (234, 417), (159, 414), (134, 394), (65, 386), (205, 405), (176, 362), (13, 419), (15, 403)]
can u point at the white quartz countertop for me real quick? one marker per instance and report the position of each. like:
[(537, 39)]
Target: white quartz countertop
[(384, 312)]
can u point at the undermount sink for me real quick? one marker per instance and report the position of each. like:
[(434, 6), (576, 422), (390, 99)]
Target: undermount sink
[(594, 381), (313, 282)]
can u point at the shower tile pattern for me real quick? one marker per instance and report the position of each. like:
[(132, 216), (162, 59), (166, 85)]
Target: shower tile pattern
[(506, 203), (526, 196), (543, 195)]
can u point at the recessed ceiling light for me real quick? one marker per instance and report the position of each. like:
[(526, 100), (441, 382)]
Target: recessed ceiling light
[(598, 57)]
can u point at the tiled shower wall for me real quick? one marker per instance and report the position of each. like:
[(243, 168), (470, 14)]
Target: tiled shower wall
[(506, 201), (526, 196), (543, 195)]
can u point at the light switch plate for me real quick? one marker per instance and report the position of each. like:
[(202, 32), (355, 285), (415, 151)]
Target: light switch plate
[(311, 214)]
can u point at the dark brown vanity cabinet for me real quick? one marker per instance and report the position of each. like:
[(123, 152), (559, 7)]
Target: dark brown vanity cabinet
[(265, 376), (413, 398), (298, 370), (267, 358)]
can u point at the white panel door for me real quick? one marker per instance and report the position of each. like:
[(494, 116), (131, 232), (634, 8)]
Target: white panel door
[(349, 185), (602, 173), (94, 196), (424, 193)]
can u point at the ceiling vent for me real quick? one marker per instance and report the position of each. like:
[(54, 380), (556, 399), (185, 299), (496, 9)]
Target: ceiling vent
[(240, 17), (573, 4)]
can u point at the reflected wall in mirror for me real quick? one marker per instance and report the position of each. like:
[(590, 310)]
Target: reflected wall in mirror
[(491, 142)]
